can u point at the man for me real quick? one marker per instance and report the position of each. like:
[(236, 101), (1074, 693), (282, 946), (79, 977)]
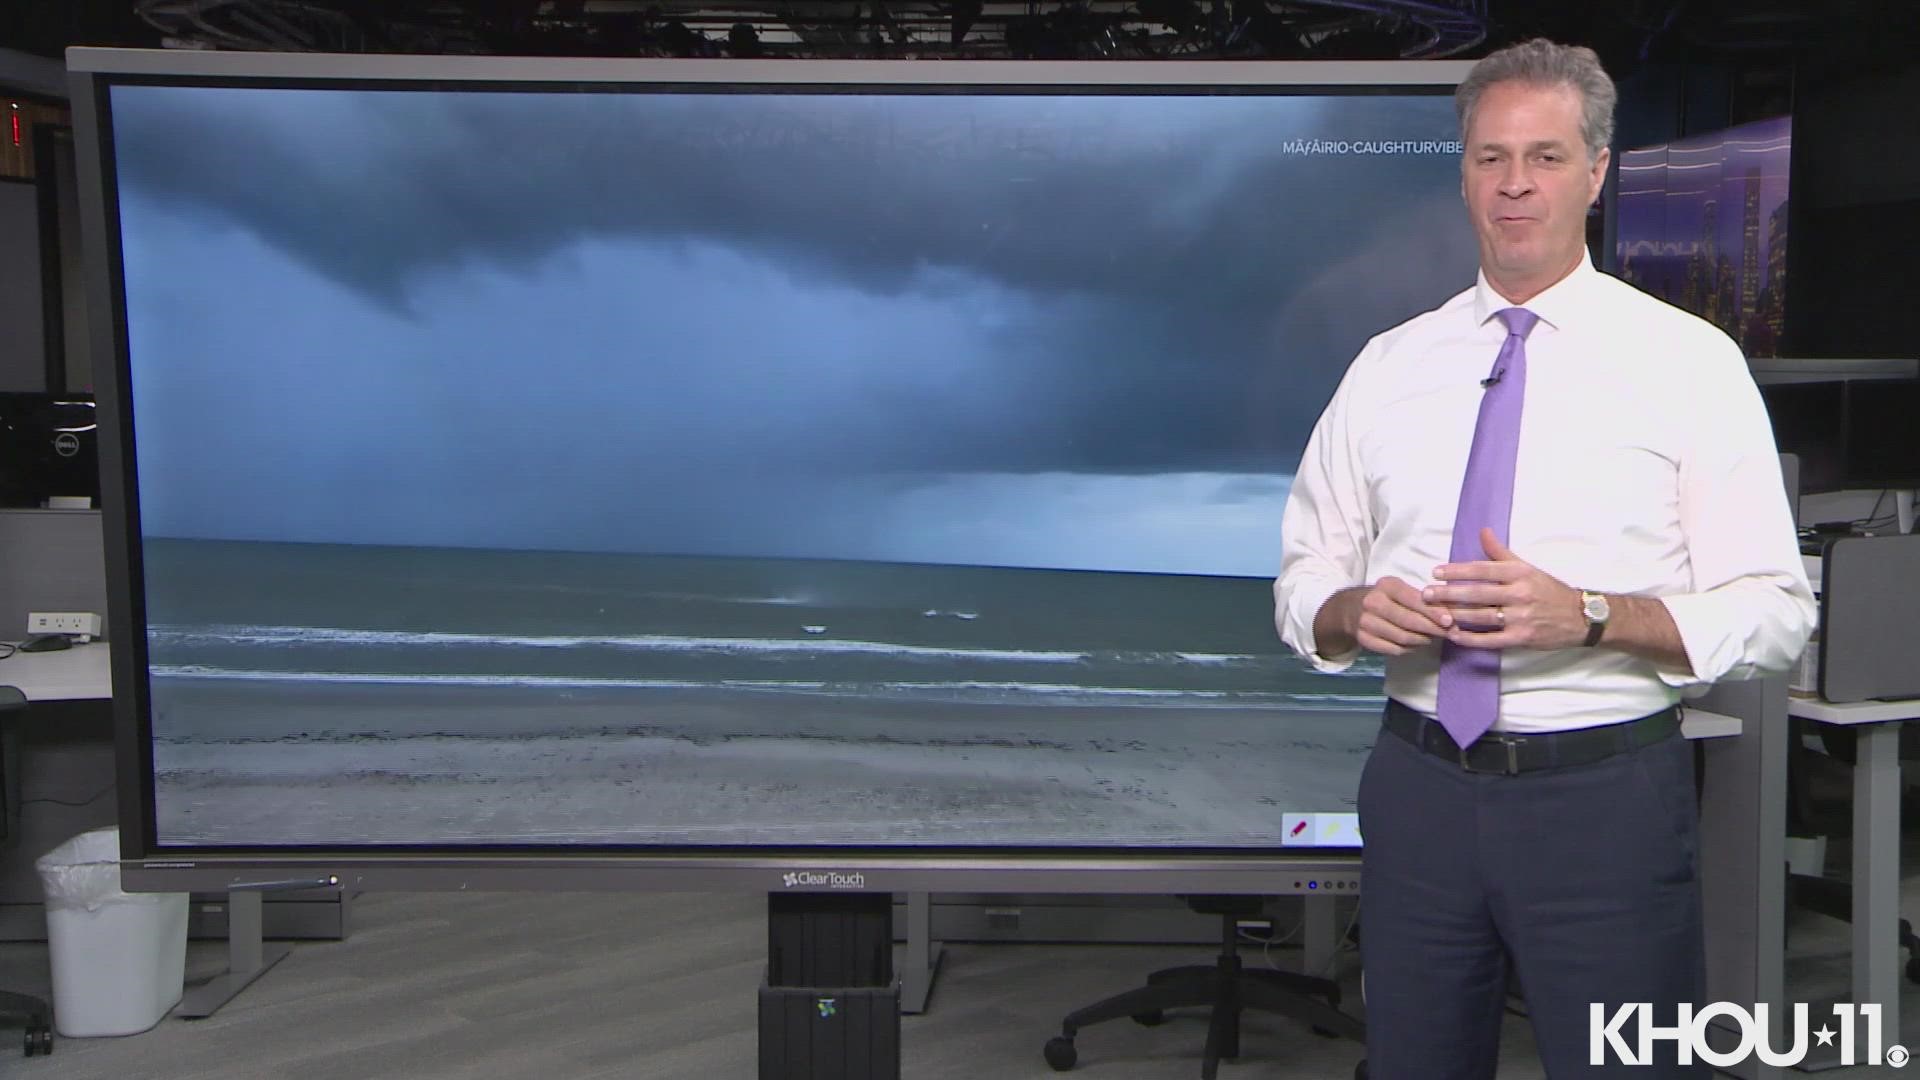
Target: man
[(1554, 506)]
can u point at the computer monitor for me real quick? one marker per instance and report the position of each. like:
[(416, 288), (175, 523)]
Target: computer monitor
[(1807, 423), (49, 449), (1882, 442), (1849, 434)]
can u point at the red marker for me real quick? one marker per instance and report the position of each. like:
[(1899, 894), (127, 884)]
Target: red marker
[(1297, 828)]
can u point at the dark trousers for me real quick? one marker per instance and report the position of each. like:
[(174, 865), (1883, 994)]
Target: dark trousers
[(1586, 878)]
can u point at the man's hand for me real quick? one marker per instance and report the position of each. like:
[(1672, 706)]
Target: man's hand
[(1507, 602), (1388, 618)]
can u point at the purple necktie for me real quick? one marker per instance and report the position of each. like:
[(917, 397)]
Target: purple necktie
[(1470, 678)]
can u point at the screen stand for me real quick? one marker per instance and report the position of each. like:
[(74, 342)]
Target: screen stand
[(830, 1003), (1903, 511), (248, 955)]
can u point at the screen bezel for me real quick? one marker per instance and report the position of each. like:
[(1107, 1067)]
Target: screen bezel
[(150, 866)]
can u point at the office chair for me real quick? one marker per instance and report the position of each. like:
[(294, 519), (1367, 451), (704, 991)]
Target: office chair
[(1227, 987), (1824, 895), (29, 1012)]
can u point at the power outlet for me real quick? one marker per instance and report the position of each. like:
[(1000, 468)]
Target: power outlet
[(79, 623)]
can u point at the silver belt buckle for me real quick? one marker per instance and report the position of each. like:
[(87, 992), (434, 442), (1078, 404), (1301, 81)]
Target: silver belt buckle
[(1513, 757)]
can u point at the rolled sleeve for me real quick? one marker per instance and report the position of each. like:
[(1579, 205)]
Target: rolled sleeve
[(1745, 630), (1324, 531), (1294, 612), (1751, 609)]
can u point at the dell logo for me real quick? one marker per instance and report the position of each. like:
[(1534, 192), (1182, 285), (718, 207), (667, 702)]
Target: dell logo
[(66, 444)]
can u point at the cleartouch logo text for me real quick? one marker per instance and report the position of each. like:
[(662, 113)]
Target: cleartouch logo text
[(819, 879), (1855, 1032)]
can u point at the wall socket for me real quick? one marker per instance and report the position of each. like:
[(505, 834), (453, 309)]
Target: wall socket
[(79, 623)]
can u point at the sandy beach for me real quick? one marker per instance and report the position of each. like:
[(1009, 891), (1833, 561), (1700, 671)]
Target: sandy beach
[(278, 763)]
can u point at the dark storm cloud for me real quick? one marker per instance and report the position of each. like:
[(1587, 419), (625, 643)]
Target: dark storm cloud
[(1188, 205), (693, 323)]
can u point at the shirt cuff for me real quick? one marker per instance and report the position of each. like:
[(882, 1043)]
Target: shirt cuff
[(1297, 626), (1711, 651)]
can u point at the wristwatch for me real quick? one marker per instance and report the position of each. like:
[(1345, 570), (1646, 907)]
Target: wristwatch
[(1594, 606)]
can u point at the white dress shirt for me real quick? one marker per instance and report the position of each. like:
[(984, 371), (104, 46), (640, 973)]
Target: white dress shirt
[(1647, 467)]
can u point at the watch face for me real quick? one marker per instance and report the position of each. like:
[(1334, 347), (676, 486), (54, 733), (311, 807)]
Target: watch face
[(1596, 608)]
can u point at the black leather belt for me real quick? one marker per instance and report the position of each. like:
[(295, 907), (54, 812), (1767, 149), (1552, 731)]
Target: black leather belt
[(1501, 753)]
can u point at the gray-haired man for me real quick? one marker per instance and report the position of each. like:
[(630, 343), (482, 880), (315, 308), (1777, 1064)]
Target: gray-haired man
[(1553, 504)]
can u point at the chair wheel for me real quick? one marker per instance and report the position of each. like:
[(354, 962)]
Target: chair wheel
[(39, 1037), (1150, 1018), (1360, 1070), (1060, 1053)]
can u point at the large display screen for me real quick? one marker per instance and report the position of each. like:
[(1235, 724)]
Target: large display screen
[(658, 466), (1703, 225)]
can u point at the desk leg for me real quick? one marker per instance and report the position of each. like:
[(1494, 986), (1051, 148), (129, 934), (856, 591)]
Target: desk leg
[(1876, 872), (1743, 827), (923, 955), (1322, 931)]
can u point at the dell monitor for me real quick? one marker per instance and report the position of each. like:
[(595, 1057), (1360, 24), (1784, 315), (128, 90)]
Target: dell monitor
[(49, 450), (1806, 418), (1850, 434), (1883, 434)]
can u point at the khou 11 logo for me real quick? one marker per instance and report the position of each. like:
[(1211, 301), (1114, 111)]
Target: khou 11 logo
[(1690, 1032)]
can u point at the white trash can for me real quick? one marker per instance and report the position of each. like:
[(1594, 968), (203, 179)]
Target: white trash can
[(119, 958)]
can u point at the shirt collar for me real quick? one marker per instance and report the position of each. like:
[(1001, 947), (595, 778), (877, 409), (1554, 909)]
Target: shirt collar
[(1556, 306)]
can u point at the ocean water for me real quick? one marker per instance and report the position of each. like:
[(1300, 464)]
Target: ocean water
[(400, 689), (1013, 637)]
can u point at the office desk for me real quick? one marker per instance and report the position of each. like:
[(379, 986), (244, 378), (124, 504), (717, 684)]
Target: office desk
[(65, 739), (1700, 724), (80, 673), (1876, 843)]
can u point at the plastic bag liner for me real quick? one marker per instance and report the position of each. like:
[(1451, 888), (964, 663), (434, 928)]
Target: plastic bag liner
[(84, 873), (118, 958)]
